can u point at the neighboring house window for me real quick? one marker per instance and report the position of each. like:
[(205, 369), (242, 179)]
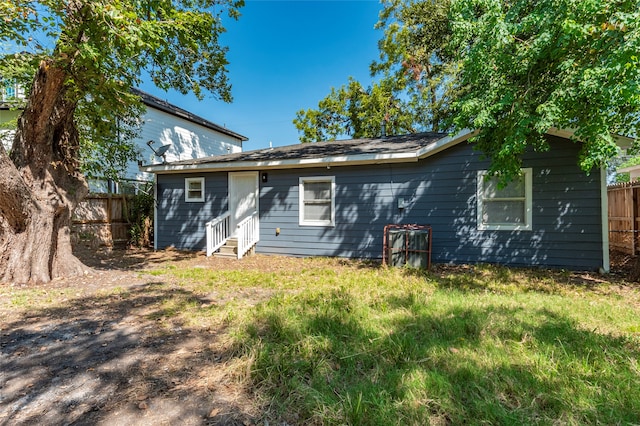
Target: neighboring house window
[(317, 201), (507, 208), (10, 90), (194, 189)]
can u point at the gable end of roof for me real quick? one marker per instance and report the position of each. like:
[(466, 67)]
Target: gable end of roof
[(161, 105)]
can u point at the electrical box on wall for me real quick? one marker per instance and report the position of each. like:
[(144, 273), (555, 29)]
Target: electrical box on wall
[(402, 203)]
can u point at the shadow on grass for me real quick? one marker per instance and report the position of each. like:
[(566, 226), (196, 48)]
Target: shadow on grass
[(106, 259), (328, 358), (121, 358), (505, 279)]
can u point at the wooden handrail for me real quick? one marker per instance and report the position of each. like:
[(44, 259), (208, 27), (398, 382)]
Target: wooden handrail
[(218, 232), (248, 233)]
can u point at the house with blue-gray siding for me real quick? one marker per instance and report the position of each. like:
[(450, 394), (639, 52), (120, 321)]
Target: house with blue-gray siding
[(335, 198)]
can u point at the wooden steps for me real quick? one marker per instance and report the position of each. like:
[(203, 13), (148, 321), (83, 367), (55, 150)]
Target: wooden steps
[(229, 250)]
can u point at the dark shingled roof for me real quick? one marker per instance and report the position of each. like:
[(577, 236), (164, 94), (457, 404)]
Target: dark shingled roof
[(337, 148), (165, 106)]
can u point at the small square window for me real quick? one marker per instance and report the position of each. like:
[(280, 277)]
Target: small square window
[(194, 189), (317, 201), (507, 208)]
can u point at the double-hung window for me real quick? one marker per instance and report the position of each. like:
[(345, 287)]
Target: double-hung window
[(505, 208), (194, 189), (317, 201)]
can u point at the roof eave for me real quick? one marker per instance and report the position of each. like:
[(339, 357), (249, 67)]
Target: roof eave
[(629, 169), (623, 142), (445, 143), (332, 161)]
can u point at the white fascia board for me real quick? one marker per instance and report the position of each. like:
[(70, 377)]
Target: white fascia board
[(562, 133), (623, 142), (444, 143), (628, 169), (335, 161)]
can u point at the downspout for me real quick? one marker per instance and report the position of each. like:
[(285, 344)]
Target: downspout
[(604, 213), (155, 211)]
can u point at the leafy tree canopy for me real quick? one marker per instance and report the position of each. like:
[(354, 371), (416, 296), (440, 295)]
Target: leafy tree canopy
[(89, 54), (528, 66), (415, 80), (358, 112), (512, 69), (105, 48)]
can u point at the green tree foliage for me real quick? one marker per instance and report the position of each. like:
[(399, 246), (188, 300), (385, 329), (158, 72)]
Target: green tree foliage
[(357, 112), (528, 66), (415, 84), (414, 54), (89, 55), (141, 218), (106, 47)]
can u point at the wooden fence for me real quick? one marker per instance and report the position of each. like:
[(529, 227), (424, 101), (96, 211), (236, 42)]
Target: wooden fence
[(102, 220), (624, 205)]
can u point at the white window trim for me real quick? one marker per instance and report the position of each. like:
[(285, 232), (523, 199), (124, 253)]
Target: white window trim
[(301, 182), (188, 199), (528, 205)]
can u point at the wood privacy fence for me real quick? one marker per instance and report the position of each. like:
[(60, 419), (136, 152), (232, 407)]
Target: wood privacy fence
[(624, 205), (102, 220)]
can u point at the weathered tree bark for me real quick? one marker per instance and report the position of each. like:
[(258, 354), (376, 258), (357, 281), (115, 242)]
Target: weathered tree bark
[(40, 186)]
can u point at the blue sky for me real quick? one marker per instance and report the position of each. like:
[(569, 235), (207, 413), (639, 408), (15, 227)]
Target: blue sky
[(285, 56)]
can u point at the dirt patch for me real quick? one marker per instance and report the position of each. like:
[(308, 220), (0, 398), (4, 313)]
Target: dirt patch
[(104, 357)]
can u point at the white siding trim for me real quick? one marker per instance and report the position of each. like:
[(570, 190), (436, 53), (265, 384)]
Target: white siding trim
[(344, 160), (445, 143), (338, 160), (188, 141)]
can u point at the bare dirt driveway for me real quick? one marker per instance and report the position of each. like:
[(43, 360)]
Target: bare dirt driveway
[(106, 357)]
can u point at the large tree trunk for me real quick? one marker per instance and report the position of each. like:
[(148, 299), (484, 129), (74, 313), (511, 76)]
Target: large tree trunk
[(40, 186)]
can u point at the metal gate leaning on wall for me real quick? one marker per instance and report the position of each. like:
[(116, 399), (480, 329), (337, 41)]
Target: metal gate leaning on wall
[(624, 199)]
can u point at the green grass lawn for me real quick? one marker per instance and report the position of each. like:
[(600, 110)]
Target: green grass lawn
[(328, 341), (353, 343)]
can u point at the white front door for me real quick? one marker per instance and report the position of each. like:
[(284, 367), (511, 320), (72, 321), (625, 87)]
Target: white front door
[(243, 196)]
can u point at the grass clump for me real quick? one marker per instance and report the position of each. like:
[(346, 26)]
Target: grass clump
[(335, 342), (495, 346)]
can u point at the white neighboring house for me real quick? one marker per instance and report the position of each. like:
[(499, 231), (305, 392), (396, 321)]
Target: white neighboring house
[(11, 99), (190, 136), (634, 172)]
